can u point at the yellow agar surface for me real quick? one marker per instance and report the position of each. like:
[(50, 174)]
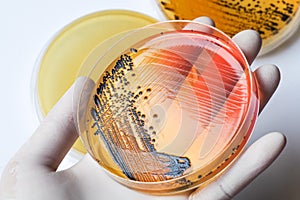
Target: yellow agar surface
[(61, 61)]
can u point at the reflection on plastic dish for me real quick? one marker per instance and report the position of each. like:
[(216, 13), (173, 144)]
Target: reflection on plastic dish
[(168, 107)]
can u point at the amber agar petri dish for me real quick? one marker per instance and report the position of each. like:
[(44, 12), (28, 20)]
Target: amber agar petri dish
[(59, 63), (168, 107), (276, 20)]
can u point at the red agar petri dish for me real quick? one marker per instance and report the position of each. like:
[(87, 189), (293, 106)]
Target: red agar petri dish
[(169, 107)]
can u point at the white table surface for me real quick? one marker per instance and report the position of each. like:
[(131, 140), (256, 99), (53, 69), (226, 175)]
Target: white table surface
[(27, 25)]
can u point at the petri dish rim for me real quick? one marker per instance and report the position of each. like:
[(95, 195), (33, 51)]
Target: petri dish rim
[(251, 85)]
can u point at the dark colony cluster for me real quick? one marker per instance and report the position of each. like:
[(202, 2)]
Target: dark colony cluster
[(267, 17), (121, 126)]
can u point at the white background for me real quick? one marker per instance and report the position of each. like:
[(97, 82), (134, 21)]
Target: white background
[(27, 25)]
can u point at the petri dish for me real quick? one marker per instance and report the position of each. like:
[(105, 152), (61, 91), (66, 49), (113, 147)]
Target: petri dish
[(59, 62), (276, 21), (169, 107)]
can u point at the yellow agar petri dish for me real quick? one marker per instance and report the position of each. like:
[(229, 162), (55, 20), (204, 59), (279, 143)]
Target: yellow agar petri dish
[(276, 20), (59, 63), (168, 107)]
